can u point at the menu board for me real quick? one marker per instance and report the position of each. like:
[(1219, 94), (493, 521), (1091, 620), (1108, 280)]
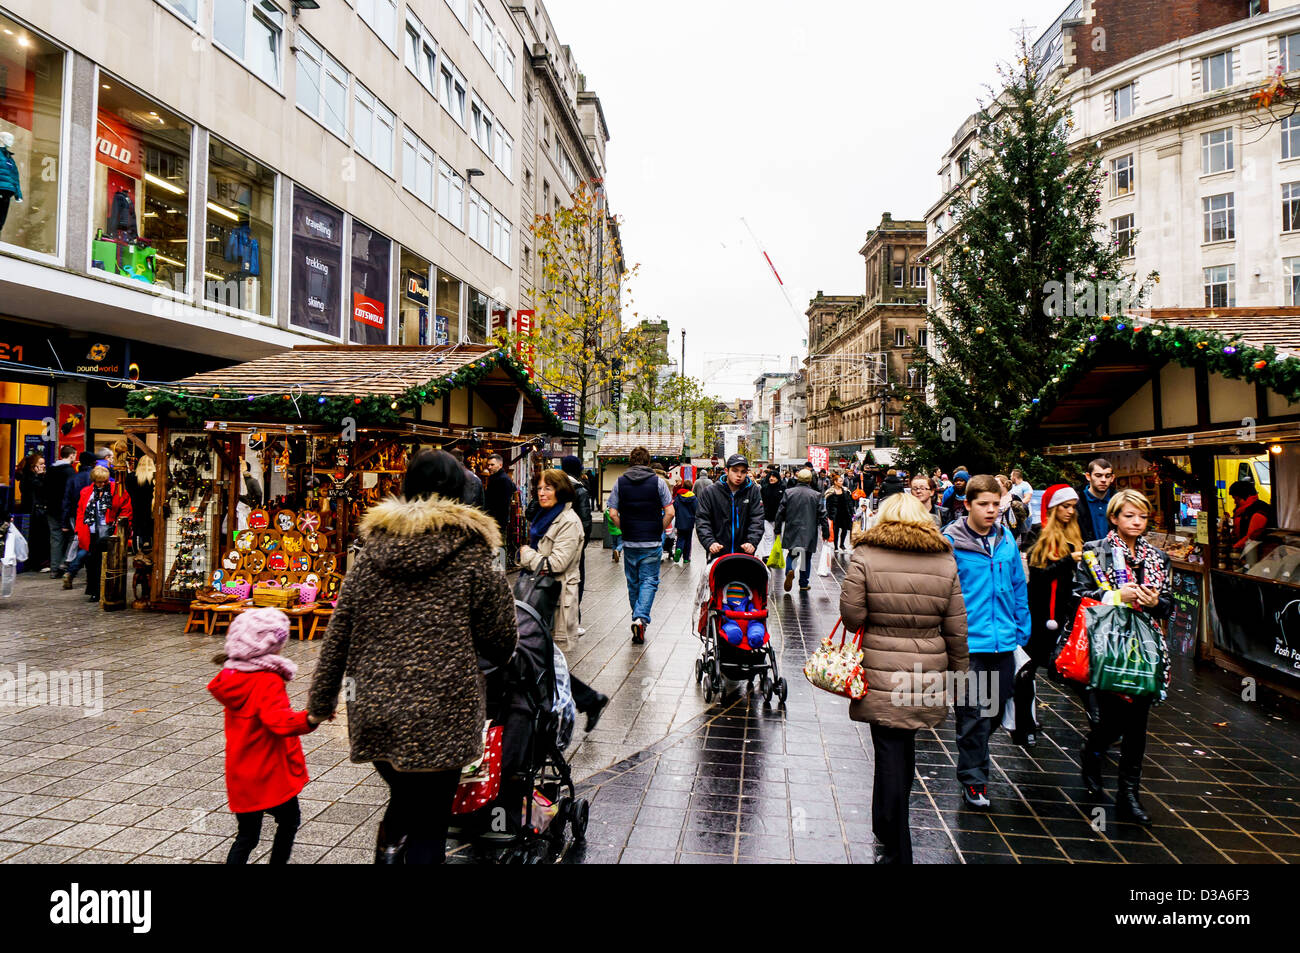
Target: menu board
[(1185, 623)]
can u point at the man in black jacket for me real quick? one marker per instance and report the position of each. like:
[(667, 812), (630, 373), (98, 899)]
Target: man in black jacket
[(57, 477), (771, 491), (800, 520), (499, 496), (730, 514)]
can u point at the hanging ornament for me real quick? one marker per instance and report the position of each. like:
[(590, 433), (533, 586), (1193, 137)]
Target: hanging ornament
[(1202, 344), (1229, 350), (1260, 365), (979, 330)]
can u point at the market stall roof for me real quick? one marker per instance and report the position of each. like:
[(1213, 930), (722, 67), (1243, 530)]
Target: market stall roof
[(659, 444)]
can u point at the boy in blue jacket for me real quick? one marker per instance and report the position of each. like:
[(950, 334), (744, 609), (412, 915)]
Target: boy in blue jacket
[(997, 620)]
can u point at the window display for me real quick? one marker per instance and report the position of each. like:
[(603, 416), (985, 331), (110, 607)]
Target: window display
[(31, 123), (142, 189), (371, 277), (316, 273), (446, 328), (413, 304), (476, 327), (238, 256)]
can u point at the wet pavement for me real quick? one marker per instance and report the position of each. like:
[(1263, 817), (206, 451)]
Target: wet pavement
[(671, 778)]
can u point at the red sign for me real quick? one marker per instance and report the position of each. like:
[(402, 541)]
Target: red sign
[(819, 457), (367, 310), (117, 146), (524, 328), (72, 426)]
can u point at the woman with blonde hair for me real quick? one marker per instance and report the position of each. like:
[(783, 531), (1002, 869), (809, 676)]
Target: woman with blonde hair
[(139, 487), (903, 594)]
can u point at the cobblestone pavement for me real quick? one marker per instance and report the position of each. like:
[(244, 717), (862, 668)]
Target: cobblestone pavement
[(671, 778)]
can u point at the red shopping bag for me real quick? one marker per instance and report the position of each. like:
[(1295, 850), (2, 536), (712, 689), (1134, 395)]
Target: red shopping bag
[(480, 788), (1073, 659)]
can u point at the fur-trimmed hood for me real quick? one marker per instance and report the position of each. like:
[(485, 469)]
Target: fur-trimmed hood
[(412, 537), (904, 536)]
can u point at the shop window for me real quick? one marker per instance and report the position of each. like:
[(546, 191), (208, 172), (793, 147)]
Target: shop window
[(240, 240), (141, 197), (316, 267), (413, 303), (31, 123), (477, 317), (446, 325), (371, 279)]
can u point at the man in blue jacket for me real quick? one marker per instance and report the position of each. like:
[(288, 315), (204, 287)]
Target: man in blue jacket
[(997, 620)]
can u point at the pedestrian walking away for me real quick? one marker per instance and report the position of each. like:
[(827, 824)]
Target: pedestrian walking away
[(685, 504), (902, 593), (801, 520), (994, 588), (265, 768), (641, 507), (771, 491), (420, 604), (57, 477)]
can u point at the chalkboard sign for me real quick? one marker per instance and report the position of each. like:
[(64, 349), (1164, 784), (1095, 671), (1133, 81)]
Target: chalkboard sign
[(1185, 623)]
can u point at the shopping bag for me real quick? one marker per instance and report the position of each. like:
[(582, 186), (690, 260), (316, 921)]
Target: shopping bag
[(824, 560), (776, 559), (1125, 650), (480, 782), (837, 667), (1072, 659), (1020, 658)]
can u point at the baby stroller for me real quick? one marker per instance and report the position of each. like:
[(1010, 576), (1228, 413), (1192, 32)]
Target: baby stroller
[(733, 628)]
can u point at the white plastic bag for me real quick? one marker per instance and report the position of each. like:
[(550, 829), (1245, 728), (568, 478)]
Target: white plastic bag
[(1020, 658), (824, 560), (8, 571)]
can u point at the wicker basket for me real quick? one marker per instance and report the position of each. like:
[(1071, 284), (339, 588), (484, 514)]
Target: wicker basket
[(275, 597)]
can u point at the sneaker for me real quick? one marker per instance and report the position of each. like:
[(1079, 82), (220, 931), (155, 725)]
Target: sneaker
[(976, 797), (804, 587), (789, 579), (581, 630), (45, 569), (638, 631)]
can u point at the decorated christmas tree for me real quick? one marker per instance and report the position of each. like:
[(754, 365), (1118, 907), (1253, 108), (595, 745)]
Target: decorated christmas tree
[(1027, 267)]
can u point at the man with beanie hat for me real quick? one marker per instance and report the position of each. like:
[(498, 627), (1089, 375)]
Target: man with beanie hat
[(954, 498), (572, 468)]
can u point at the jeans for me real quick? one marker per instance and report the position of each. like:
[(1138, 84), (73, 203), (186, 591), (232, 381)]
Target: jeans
[(419, 809), (641, 567), (287, 817), (974, 728), (891, 788), (805, 570), (685, 538)]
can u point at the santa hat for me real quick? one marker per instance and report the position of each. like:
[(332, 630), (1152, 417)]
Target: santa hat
[(1056, 495)]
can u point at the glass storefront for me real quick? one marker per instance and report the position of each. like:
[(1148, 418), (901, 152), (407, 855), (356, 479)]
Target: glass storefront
[(446, 328), (141, 193), (413, 304), (239, 251), (316, 272), (372, 256), (476, 326), (31, 124)]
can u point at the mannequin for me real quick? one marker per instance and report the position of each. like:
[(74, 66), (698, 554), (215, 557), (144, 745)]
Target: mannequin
[(9, 187)]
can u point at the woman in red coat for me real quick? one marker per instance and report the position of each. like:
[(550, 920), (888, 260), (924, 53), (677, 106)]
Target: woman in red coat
[(99, 508), (265, 769)]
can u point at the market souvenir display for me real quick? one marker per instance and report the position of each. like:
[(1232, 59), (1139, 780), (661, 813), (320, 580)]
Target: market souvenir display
[(284, 520), (269, 541), (326, 563), (331, 583), (259, 519), (218, 578), (300, 562), (232, 560), (316, 543), (239, 578), (291, 541), (308, 522), (277, 562), (311, 579), (246, 541), (255, 561)]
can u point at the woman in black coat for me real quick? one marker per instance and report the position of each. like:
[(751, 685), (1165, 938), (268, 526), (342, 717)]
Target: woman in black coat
[(839, 510)]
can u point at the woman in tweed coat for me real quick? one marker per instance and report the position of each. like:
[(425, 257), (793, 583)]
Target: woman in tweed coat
[(420, 604)]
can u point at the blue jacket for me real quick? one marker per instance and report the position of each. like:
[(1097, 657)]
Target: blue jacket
[(994, 587), (9, 175)]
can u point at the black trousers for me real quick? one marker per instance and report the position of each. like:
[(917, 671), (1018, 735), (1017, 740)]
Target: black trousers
[(842, 529), (980, 717), (94, 565), (1119, 716), (584, 696), (287, 818), (419, 809), (891, 788)]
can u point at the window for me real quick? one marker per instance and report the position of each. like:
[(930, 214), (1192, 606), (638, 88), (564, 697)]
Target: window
[(565, 164), (252, 33), (1219, 219), (451, 195), (461, 9), (1216, 71), (1121, 176), (1121, 233), (504, 63), (1288, 52), (1291, 270), (1291, 207), (382, 17), (417, 167), (898, 276), (189, 9), (918, 276), (1291, 137), (446, 323), (372, 255), (923, 337), (1216, 151), (322, 86), (481, 124), (900, 337), (480, 220), (484, 31), (141, 189), (501, 237), (476, 317), (1123, 102), (963, 163), (238, 253), (453, 92), (31, 110), (1221, 286), (316, 266), (421, 54), (503, 153), (372, 129)]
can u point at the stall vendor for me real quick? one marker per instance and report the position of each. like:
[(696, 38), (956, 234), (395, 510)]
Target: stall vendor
[(1251, 517)]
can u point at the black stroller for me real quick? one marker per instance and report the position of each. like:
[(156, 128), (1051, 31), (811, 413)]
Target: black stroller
[(733, 628)]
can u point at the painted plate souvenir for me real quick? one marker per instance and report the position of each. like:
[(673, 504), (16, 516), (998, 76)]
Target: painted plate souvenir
[(230, 562), (269, 541), (259, 519), (326, 563), (316, 543), (277, 562), (236, 578), (255, 561), (246, 541), (300, 562), (218, 578), (291, 541), (332, 583), (312, 579), (308, 521), (283, 579), (284, 520)]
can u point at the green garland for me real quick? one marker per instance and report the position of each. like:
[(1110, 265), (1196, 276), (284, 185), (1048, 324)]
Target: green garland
[(366, 409), (1161, 342)]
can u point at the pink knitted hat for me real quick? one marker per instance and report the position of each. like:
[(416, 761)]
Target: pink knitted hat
[(254, 639)]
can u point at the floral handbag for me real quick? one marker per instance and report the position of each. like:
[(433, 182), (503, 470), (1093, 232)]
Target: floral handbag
[(480, 782), (837, 668)]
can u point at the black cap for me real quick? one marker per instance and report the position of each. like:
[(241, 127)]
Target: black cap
[(736, 460)]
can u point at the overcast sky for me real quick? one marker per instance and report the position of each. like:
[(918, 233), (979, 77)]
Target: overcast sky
[(808, 120)]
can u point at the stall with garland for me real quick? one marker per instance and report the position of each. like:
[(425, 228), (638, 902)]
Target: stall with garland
[(612, 455), (1201, 412), (265, 469)]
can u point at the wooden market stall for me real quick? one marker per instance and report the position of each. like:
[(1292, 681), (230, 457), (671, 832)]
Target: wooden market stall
[(611, 456), (1186, 405), (264, 469)]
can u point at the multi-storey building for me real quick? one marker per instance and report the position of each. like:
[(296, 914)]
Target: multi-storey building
[(860, 346), (763, 412), (789, 420)]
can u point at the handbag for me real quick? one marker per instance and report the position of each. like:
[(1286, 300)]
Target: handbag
[(480, 782), (1073, 660), (776, 558), (837, 668), (1126, 653)]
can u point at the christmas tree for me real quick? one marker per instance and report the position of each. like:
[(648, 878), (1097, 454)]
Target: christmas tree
[(1025, 270)]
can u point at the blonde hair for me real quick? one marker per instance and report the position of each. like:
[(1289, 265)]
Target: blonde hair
[(1124, 498), (1055, 540), (145, 469), (903, 508), (99, 474)]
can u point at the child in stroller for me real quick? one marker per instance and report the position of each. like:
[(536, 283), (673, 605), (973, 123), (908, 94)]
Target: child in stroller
[(733, 628)]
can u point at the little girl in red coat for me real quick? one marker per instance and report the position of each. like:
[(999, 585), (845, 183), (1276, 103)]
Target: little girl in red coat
[(265, 769)]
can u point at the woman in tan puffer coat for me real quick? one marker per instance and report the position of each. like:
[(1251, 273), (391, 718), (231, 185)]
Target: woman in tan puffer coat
[(903, 593)]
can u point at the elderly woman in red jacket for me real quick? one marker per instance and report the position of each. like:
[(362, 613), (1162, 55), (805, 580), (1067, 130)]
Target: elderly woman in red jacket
[(101, 506)]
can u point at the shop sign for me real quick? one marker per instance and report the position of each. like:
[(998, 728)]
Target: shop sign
[(563, 405), (819, 457), (72, 426), (1185, 621), (367, 310), (95, 357), (1258, 620), (417, 287), (524, 328), (117, 146)]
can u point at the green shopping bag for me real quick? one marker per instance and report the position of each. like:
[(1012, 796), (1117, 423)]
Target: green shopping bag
[(1125, 648), (776, 560)]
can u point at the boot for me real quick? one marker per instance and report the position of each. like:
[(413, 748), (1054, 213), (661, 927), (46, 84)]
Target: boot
[(1128, 807), (67, 581), (389, 852), (1090, 769)]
